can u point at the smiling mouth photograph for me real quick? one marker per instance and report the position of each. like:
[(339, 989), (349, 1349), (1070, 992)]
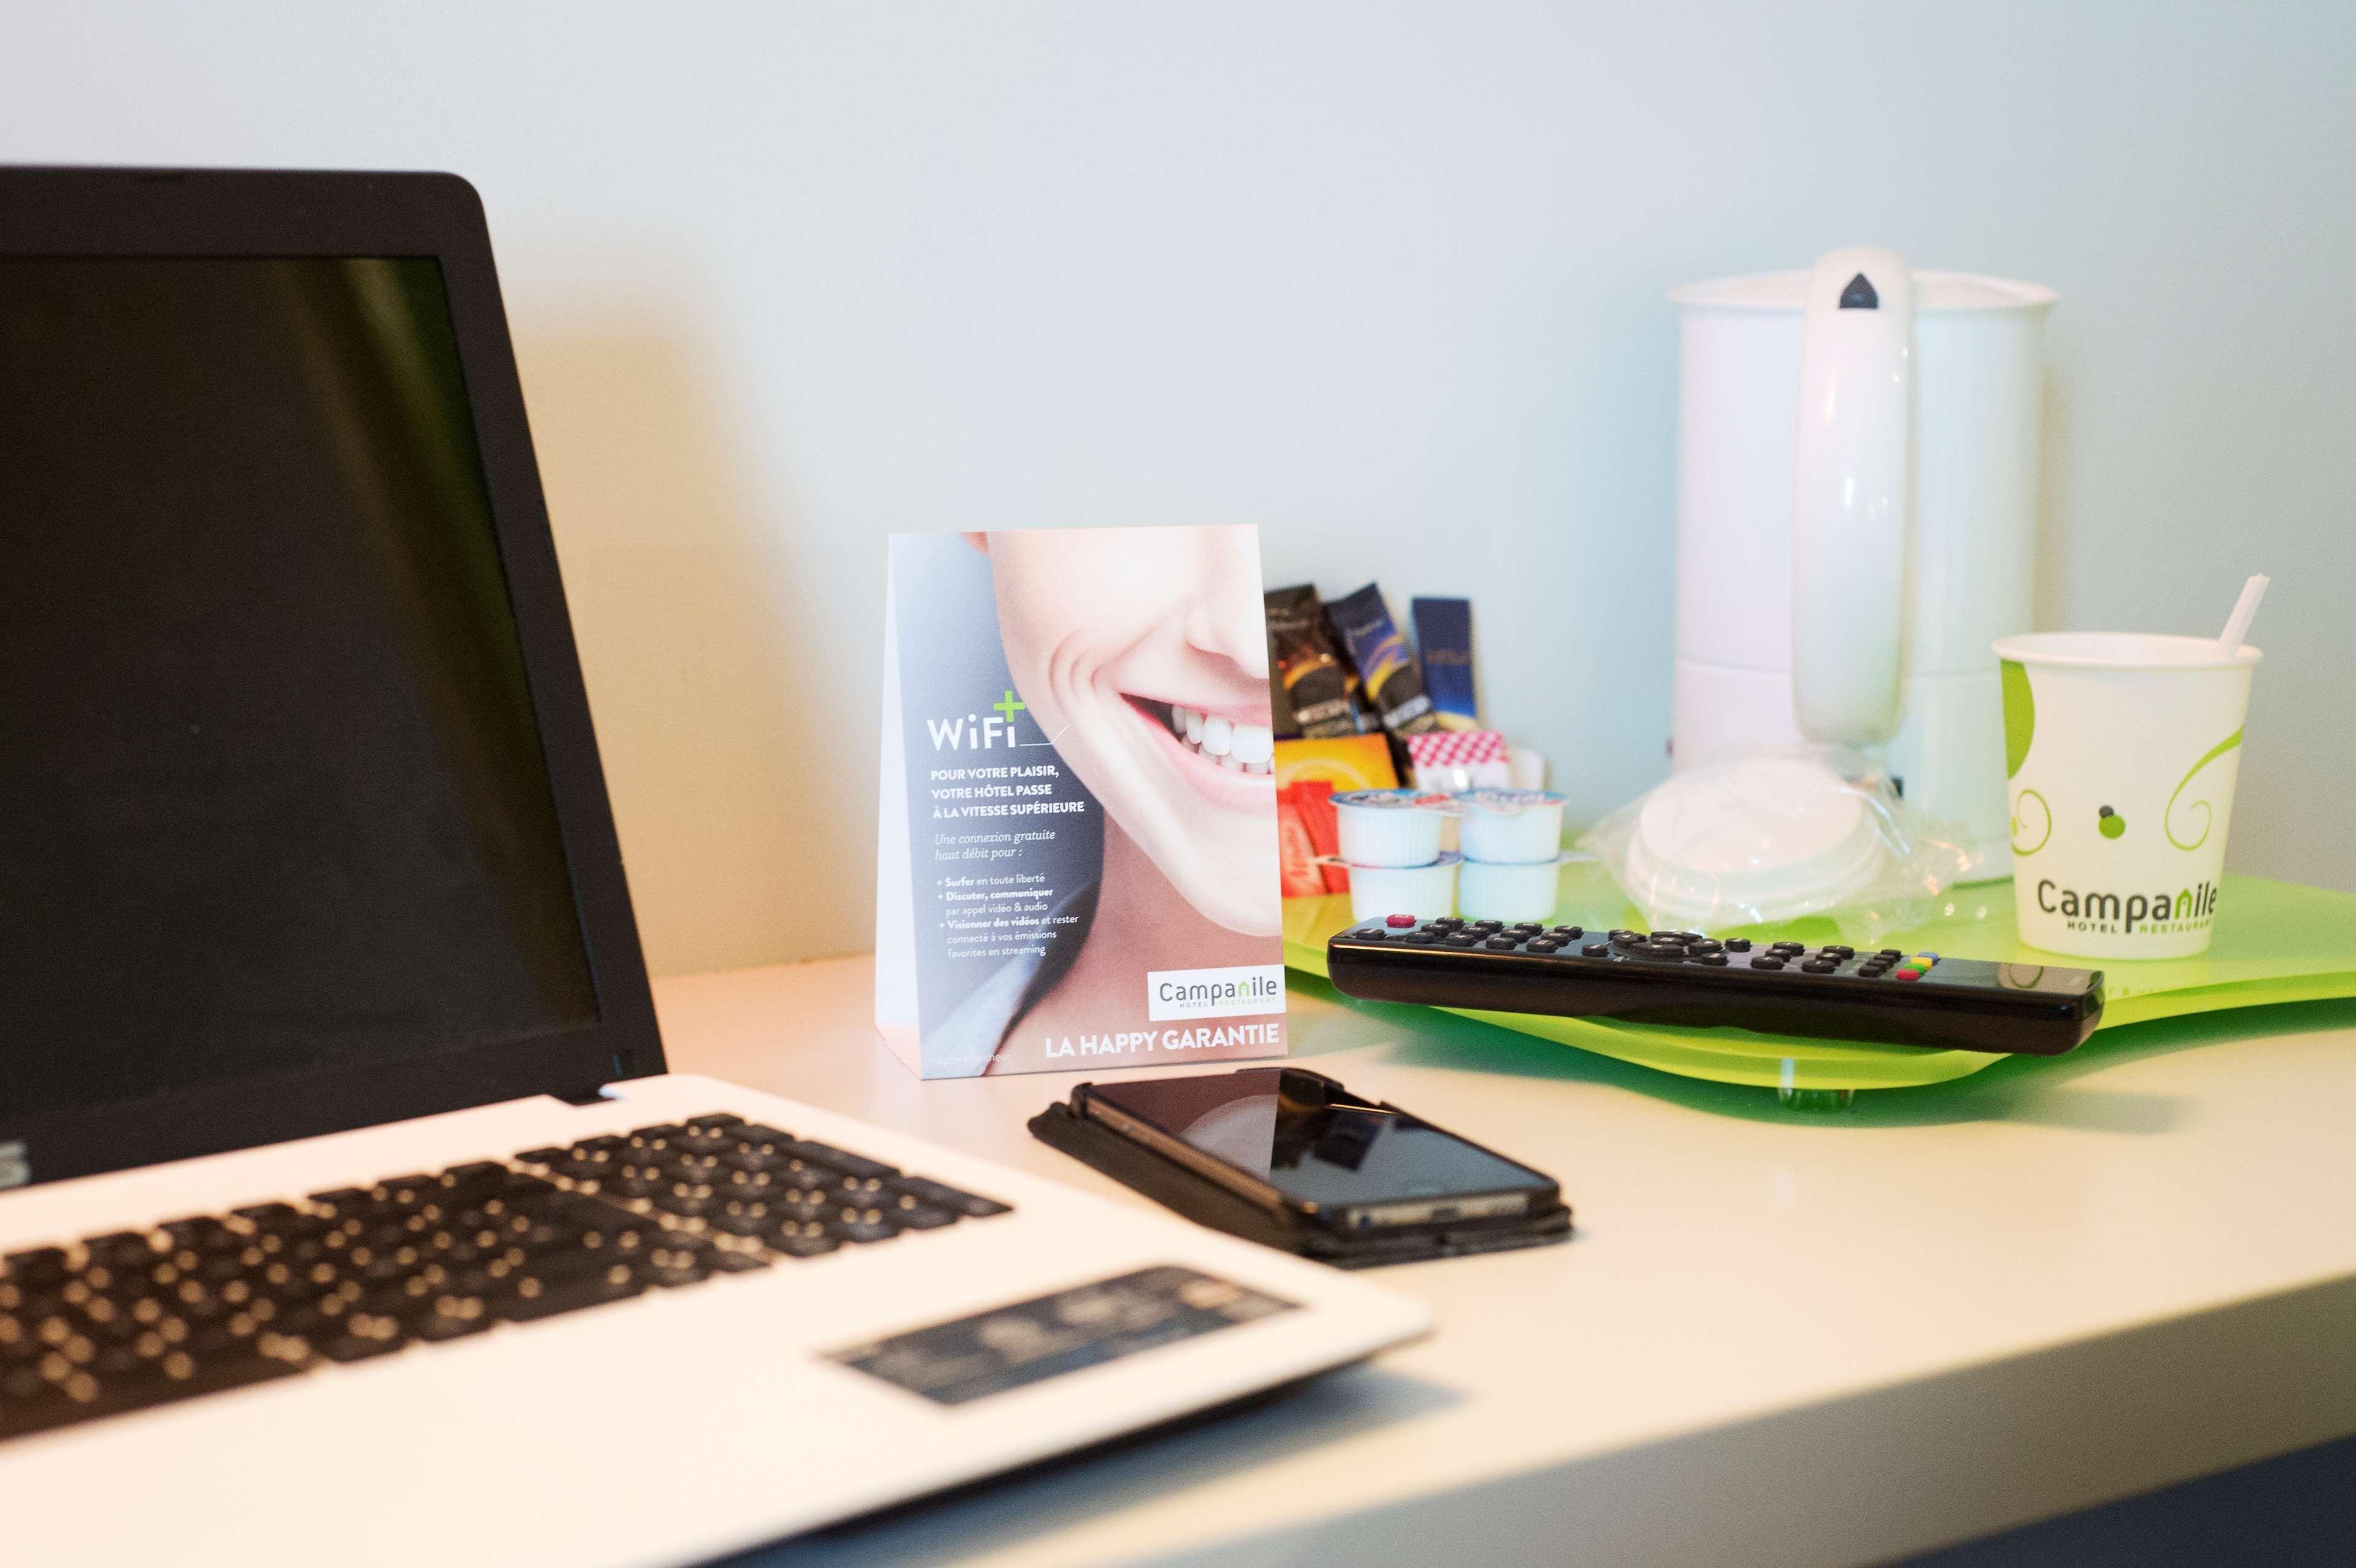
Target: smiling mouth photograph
[(1142, 655)]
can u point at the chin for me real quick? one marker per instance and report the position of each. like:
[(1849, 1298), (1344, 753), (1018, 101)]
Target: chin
[(1238, 909)]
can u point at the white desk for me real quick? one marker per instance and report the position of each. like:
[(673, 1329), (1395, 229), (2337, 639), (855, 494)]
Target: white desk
[(1775, 1337)]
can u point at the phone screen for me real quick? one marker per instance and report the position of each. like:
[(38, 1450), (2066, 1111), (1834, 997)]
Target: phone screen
[(1309, 1140)]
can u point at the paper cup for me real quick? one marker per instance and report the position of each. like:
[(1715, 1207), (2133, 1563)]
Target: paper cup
[(2122, 751), (1390, 827), (1497, 891), (1427, 892)]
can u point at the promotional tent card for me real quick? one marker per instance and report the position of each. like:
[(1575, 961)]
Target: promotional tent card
[(1077, 855)]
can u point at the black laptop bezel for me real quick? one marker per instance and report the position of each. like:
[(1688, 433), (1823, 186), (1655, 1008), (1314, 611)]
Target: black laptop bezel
[(129, 212)]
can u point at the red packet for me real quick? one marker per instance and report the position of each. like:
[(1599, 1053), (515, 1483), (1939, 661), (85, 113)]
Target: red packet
[(1296, 852)]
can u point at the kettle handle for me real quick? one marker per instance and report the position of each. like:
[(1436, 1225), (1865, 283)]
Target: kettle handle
[(1852, 505)]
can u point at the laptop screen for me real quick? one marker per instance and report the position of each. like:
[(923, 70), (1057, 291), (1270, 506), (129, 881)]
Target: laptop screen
[(272, 790)]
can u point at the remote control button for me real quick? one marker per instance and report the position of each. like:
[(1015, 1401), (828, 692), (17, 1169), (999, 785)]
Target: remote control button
[(1842, 951), (1446, 923), (1596, 950), (1738, 944), (1488, 925), (1891, 952), (1545, 944), (1423, 939), (1717, 959), (1617, 932), (1770, 964), (1460, 939), (1371, 934), (1818, 966), (1626, 939), (1531, 926), (1706, 946), (1907, 975), (1571, 933), (1502, 944), (1401, 922), (1668, 935)]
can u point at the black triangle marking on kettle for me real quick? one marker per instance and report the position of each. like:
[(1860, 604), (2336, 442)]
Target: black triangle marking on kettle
[(1859, 296)]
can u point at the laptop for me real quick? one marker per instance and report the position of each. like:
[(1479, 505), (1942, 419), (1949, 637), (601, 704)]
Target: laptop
[(351, 1214)]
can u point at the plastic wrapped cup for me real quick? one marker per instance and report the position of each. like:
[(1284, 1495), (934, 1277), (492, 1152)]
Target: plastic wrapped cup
[(2122, 751), (1427, 892), (1511, 827), (1390, 827), (1523, 892)]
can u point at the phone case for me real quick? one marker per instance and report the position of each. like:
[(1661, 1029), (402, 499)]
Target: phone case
[(1205, 1202)]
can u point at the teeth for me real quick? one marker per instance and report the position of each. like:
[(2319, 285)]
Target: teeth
[(1239, 749)]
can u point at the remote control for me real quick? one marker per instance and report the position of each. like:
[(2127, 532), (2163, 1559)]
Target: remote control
[(1683, 977)]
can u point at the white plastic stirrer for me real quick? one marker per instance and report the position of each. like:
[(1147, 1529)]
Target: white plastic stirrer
[(2245, 610)]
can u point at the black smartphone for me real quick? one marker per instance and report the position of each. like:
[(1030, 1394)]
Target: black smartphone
[(1299, 1144)]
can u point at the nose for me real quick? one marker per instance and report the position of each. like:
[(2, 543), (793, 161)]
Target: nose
[(1226, 619)]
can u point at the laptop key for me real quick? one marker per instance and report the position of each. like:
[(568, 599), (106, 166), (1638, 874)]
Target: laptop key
[(40, 1268), (939, 1195), (860, 1225), (364, 1334), (678, 1261), (735, 1260), (842, 1159), (453, 1318), (533, 1294)]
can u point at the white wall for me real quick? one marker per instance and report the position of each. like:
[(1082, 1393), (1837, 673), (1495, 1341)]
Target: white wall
[(1383, 279)]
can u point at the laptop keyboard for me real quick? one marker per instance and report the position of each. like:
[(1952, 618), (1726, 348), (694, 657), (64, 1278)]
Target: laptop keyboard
[(137, 1318)]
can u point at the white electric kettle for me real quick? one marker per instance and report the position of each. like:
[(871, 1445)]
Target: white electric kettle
[(1857, 519)]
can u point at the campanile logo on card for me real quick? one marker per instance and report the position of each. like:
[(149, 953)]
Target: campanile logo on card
[(1213, 993)]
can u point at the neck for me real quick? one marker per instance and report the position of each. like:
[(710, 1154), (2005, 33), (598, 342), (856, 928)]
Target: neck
[(1138, 915)]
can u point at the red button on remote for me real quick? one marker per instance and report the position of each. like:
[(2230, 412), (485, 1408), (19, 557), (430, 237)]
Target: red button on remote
[(1906, 974), (1401, 922)]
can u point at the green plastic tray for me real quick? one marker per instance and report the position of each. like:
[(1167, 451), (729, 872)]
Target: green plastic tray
[(2276, 941)]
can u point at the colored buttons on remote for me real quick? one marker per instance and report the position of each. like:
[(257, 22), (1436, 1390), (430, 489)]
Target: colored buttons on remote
[(1401, 922)]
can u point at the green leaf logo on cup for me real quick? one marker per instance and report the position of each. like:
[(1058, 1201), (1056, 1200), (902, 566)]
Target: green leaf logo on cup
[(2098, 731), (2206, 821), (2020, 729)]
